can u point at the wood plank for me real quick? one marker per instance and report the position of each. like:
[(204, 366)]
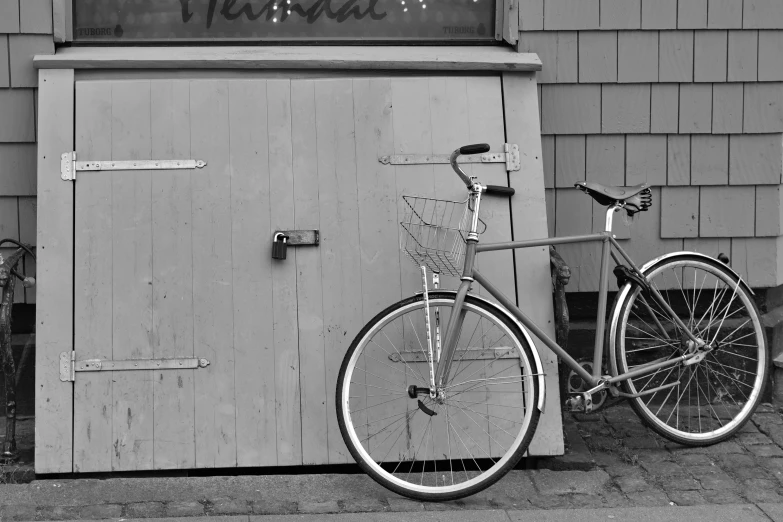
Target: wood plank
[(132, 415), (762, 14), (768, 212), (645, 159), (625, 109), (548, 152), (724, 14), (664, 108), (172, 278), (621, 14), (215, 416), (251, 266), (743, 56), (676, 56), (571, 109), (727, 211), (679, 212), (695, 109), (571, 14), (93, 314), (340, 250), (9, 16), (427, 58), (520, 109), (28, 209), (709, 160), (21, 50), (637, 56), (679, 160), (755, 159), (35, 16), (62, 20), (17, 116), (770, 56), (710, 52), (569, 160), (692, 14), (727, 101), (597, 56), (659, 14), (545, 45), (531, 15), (605, 159), (309, 280), (763, 108)]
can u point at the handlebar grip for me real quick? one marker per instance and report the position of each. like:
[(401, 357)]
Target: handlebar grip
[(499, 190), (478, 148)]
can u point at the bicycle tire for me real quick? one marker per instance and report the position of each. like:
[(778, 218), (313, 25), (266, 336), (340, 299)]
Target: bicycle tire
[(526, 387)]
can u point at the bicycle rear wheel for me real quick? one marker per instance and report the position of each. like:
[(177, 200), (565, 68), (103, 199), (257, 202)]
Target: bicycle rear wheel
[(708, 401), (454, 445)]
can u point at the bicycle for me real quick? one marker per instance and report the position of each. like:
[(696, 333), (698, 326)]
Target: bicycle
[(683, 326)]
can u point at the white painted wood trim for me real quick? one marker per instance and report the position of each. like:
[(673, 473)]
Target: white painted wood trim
[(294, 57)]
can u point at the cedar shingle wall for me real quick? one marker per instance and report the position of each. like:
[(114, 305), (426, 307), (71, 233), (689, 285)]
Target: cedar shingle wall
[(25, 30), (686, 95)]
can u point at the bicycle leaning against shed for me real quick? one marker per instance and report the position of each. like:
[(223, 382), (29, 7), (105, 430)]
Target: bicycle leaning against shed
[(440, 394)]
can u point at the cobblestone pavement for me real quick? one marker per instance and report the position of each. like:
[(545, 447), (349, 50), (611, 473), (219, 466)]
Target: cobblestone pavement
[(612, 460)]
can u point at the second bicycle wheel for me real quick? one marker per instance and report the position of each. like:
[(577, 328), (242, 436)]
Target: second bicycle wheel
[(453, 445), (707, 401)]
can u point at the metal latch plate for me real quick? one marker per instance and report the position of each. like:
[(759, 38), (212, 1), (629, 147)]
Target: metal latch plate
[(69, 365), (301, 237), (510, 157)]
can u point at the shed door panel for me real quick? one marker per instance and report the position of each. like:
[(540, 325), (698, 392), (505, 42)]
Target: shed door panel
[(178, 263)]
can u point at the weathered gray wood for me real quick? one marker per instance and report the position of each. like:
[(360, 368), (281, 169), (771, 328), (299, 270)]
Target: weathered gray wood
[(743, 56), (625, 109), (665, 108), (17, 116), (520, 108), (92, 315), (548, 152), (659, 14), (172, 278), (676, 56), (755, 159), (21, 49), (9, 218), (62, 20), (558, 52), (763, 108), (727, 211), (691, 14), (35, 16), (645, 160), (5, 78), (695, 108), (724, 14), (569, 160), (727, 101), (571, 14), (770, 56), (605, 162), (574, 217), (637, 56), (679, 212), (709, 160), (646, 242), (251, 266), (621, 14), (762, 14), (768, 218), (531, 15), (215, 416), (679, 160), (295, 57), (597, 56), (19, 162), (711, 247), (755, 259), (571, 109), (551, 211), (710, 50), (9, 16)]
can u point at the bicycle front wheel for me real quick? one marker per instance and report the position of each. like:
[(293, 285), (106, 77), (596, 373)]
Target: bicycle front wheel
[(459, 442), (708, 401)]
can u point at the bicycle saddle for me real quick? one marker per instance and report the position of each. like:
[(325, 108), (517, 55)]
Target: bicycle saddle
[(636, 199)]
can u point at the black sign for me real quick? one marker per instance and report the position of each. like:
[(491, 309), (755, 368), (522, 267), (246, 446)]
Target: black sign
[(283, 20)]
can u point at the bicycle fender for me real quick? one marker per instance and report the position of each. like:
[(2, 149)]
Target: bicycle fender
[(536, 359)]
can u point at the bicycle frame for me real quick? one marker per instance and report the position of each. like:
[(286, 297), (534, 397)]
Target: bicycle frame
[(471, 274)]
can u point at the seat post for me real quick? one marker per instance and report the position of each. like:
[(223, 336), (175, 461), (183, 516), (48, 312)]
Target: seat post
[(609, 215)]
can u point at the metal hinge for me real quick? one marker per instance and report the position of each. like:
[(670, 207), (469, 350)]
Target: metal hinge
[(69, 165), (509, 156), (69, 365)]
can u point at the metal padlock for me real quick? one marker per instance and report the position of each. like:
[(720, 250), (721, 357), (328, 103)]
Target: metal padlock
[(279, 246)]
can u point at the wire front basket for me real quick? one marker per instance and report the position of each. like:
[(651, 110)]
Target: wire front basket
[(433, 233)]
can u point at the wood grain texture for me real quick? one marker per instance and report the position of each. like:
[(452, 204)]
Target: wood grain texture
[(520, 108), (621, 14), (727, 105), (605, 159), (695, 109), (709, 160), (659, 14), (724, 14), (691, 14), (569, 160), (172, 278), (743, 56), (21, 50), (18, 177), (531, 15), (710, 49), (726, 211), (625, 109), (762, 14), (548, 152), (93, 439), (678, 160), (558, 52), (571, 14), (768, 211), (770, 51), (597, 56), (571, 109), (637, 56), (298, 57), (17, 116), (9, 16), (645, 160), (756, 260), (679, 212), (664, 108), (763, 111), (35, 16), (755, 159), (676, 56)]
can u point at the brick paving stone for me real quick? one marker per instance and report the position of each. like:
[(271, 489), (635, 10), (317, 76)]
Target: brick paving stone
[(629, 484), (761, 484), (686, 498), (404, 504), (586, 501), (721, 497), (330, 506), (649, 497), (18, 512), (605, 460), (273, 507), (184, 509), (441, 506), (144, 510), (767, 418), (623, 470), (551, 501), (57, 513), (749, 427), (644, 442), (566, 482), (615, 499), (693, 459), (736, 461), (762, 495), (749, 472), (750, 439), (101, 511), (718, 482), (664, 469), (722, 448), (363, 505), (229, 506), (680, 484), (704, 471), (766, 450)]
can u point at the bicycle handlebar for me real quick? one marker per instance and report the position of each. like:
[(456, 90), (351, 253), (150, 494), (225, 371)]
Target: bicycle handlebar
[(478, 148)]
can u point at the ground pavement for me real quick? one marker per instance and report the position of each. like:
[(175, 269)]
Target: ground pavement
[(612, 462)]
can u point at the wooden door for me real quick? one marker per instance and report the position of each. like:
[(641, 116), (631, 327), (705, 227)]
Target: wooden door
[(178, 263)]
